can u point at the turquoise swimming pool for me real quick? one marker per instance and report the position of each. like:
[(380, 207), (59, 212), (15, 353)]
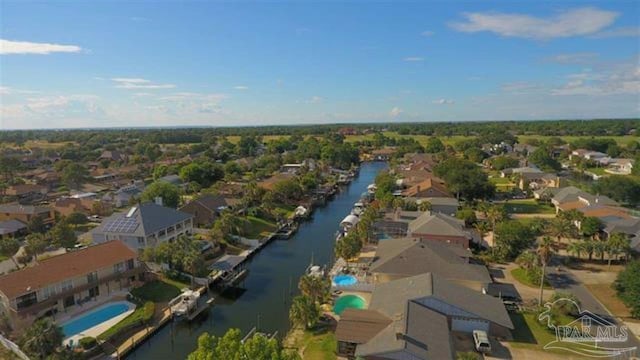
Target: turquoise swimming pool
[(93, 318), (344, 280), (348, 301)]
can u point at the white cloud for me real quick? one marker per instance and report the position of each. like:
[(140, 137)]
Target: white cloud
[(413, 58), (427, 33), (5, 90), (568, 23), (315, 100), (241, 87), (520, 87), (615, 80), (141, 94), (138, 83), (629, 31), (575, 58), (443, 102), (8, 47), (395, 112)]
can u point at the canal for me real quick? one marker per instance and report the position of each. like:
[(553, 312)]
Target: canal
[(273, 278)]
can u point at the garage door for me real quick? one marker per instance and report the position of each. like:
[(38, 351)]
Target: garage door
[(468, 325)]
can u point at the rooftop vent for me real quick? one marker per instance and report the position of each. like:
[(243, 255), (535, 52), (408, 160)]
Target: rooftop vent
[(131, 212)]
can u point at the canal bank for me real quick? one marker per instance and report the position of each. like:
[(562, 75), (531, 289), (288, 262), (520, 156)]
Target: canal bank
[(272, 281)]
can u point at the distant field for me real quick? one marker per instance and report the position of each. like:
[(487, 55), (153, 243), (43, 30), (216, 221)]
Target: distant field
[(45, 144)]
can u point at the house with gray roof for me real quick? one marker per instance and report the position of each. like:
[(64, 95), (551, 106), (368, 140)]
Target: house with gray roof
[(144, 225), (399, 258), (571, 197), (440, 227), (414, 317), (12, 228)]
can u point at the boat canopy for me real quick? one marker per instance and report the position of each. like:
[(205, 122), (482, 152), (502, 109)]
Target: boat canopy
[(350, 220)]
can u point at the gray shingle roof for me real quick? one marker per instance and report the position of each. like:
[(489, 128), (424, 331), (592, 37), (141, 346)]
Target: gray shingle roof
[(438, 224), (148, 218), (11, 226), (409, 257)]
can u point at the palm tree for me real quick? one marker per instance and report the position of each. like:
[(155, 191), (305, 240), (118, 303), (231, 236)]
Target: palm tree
[(617, 244), (304, 311), (561, 228), (8, 248), (527, 260), (42, 339), (576, 248), (600, 248), (424, 206), (496, 214), (314, 287), (545, 251), (590, 248)]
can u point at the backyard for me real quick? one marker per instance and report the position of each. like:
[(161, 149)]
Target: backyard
[(528, 206)]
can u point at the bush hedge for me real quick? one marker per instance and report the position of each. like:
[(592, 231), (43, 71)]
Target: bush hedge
[(88, 342)]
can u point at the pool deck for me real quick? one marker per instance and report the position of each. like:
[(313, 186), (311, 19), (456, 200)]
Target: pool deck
[(100, 328)]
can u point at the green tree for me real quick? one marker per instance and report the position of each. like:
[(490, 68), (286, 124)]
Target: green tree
[(160, 171), (468, 215), (504, 162), (542, 158), (316, 288), (617, 244), (621, 188), (77, 218), (63, 235), (627, 286), (231, 347), (74, 175), (9, 247), (545, 251), (434, 145), (590, 226), (41, 339), (511, 238), (304, 311), (465, 179), (35, 244), (348, 246), (168, 192), (36, 225), (561, 228)]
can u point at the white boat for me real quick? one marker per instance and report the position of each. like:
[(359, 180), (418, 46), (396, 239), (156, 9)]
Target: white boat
[(184, 303)]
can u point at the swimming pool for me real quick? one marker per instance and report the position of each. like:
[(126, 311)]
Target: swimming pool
[(344, 280), (94, 318), (348, 301)]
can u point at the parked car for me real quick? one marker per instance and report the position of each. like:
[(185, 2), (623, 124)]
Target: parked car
[(481, 341)]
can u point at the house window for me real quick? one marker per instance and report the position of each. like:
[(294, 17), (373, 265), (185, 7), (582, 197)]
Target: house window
[(94, 292), (118, 268), (130, 264), (92, 277), (69, 301), (66, 285), (140, 240), (49, 291), (27, 300)]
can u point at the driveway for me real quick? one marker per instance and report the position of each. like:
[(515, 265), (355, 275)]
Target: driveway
[(565, 281)]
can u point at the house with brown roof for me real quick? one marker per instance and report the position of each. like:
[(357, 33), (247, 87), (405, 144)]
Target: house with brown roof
[(415, 318), (26, 213), (61, 283), (26, 193), (114, 155), (68, 206), (206, 208), (428, 188)]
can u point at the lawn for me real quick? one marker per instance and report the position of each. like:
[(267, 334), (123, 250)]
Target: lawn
[(528, 206), (608, 297), (256, 228), (521, 275), (320, 347), (159, 290), (135, 317), (597, 170), (530, 333)]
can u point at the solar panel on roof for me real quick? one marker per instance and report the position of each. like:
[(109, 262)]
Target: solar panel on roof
[(122, 225)]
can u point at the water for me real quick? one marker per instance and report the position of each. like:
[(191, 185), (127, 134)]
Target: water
[(273, 278), (348, 301), (344, 280), (94, 318)]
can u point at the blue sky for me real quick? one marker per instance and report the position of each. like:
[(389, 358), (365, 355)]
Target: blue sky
[(88, 64)]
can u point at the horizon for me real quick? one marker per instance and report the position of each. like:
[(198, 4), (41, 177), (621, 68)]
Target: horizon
[(145, 65)]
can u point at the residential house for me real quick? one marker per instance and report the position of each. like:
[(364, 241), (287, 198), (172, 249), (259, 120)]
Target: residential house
[(383, 154), (124, 195), (444, 228), (404, 257), (62, 283), (206, 208), (428, 188), (536, 181), (444, 205), (144, 225), (414, 318), (571, 197), (172, 179), (620, 166), (70, 205), (26, 213), (629, 226), (26, 193), (115, 156), (12, 229)]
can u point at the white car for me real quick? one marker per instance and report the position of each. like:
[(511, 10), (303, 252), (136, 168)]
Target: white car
[(481, 341)]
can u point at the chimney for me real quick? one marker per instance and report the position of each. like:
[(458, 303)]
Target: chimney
[(158, 200)]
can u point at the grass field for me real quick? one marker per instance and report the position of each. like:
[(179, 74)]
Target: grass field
[(528, 206), (521, 275), (530, 333), (256, 228), (158, 290), (320, 347)]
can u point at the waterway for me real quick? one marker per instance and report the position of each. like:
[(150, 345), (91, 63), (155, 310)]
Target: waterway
[(272, 281)]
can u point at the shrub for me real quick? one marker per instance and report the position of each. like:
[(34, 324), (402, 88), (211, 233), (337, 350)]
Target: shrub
[(88, 342)]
